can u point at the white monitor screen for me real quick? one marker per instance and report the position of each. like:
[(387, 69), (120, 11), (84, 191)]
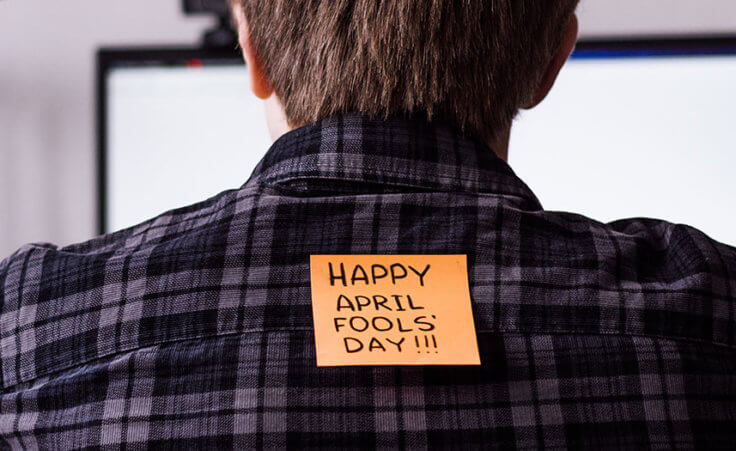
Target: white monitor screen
[(636, 137), (616, 138)]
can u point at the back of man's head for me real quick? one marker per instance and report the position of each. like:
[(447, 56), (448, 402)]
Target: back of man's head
[(473, 63)]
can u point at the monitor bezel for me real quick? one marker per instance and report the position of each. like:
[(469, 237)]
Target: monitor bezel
[(110, 58)]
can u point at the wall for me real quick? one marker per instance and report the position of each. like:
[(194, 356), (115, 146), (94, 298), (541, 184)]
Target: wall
[(47, 48), (657, 17), (47, 105)]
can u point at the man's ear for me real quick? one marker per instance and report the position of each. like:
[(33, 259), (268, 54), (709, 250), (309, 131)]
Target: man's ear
[(558, 60), (258, 81)]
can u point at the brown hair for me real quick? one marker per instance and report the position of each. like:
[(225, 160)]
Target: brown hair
[(470, 62)]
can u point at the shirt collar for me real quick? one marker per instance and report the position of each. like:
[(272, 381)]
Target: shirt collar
[(396, 152)]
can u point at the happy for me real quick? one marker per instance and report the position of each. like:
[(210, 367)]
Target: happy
[(375, 273)]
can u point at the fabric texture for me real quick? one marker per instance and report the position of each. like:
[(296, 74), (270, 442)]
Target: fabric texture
[(194, 329)]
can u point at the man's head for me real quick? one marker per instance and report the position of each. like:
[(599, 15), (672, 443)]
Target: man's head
[(471, 63)]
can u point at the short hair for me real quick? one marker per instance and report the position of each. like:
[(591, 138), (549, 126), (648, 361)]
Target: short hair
[(472, 63)]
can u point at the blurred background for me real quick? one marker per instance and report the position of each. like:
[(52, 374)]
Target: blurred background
[(48, 171)]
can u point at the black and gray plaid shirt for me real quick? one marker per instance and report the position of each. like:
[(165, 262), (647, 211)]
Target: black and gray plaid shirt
[(194, 329)]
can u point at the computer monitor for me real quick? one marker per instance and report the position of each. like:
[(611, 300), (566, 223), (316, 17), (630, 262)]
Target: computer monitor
[(176, 126), (638, 128)]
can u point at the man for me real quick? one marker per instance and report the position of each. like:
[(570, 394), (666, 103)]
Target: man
[(391, 119)]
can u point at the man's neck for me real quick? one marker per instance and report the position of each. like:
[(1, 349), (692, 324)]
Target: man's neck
[(500, 145), (278, 126)]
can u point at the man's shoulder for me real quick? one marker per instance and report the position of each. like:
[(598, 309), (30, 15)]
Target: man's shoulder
[(46, 265), (640, 233), (686, 244), (72, 297), (634, 276), (655, 251)]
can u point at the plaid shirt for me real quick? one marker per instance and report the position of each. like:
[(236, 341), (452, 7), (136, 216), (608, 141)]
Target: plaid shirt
[(194, 329)]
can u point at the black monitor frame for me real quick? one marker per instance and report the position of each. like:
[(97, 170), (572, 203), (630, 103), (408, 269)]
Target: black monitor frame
[(110, 58)]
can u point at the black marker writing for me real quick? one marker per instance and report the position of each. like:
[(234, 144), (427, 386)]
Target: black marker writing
[(382, 324), (377, 302), (359, 276), (353, 345)]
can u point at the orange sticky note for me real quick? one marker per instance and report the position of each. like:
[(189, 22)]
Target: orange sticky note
[(392, 310)]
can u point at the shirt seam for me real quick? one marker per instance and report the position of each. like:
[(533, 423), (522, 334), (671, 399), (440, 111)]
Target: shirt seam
[(511, 331)]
